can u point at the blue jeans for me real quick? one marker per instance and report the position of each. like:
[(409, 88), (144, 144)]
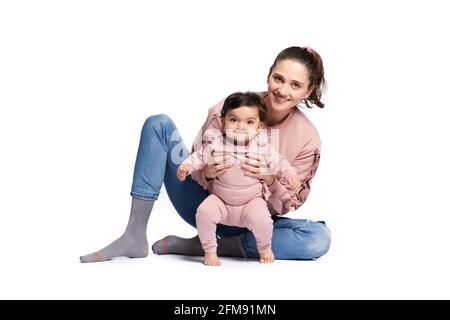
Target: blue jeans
[(161, 150)]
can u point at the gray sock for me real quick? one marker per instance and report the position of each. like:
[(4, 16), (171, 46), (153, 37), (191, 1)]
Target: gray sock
[(229, 247), (133, 243), (226, 247)]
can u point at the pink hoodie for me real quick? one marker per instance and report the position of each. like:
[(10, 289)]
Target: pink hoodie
[(298, 142)]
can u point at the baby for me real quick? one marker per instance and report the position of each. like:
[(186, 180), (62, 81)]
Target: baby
[(237, 199)]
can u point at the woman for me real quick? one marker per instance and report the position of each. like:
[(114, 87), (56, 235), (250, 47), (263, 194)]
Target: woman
[(296, 76)]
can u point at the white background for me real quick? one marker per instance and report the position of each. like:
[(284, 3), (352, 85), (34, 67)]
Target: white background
[(78, 79)]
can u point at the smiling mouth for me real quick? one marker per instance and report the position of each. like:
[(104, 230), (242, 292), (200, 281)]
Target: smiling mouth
[(278, 99)]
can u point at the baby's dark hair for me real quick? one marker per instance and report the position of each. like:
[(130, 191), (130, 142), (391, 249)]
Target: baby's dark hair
[(250, 99)]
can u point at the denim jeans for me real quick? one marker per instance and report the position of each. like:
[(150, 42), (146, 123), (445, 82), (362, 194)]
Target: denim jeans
[(161, 150)]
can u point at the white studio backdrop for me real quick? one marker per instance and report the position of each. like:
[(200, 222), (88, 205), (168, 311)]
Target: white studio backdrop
[(79, 78)]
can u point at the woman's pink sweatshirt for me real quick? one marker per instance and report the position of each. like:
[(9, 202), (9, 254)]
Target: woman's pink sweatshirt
[(296, 139)]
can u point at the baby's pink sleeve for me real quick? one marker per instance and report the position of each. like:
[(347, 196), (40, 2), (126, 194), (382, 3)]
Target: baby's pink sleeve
[(212, 121), (279, 165), (201, 157), (196, 161), (281, 199)]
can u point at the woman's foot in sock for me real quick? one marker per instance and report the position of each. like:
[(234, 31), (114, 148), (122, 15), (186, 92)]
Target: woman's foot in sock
[(211, 259), (133, 243), (266, 256), (177, 245), (125, 246)]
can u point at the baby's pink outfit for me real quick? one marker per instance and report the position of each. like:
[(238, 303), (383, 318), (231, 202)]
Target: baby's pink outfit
[(237, 199)]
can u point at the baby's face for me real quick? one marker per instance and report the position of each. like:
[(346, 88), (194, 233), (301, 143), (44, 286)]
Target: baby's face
[(242, 124)]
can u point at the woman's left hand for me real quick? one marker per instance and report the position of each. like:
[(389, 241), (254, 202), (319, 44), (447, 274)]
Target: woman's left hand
[(256, 166)]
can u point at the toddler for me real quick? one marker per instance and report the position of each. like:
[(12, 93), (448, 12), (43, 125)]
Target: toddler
[(237, 199)]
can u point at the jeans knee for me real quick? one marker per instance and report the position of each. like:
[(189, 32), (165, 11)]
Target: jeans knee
[(321, 243), (158, 121), (313, 243)]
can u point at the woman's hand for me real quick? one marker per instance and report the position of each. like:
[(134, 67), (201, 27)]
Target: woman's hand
[(217, 165), (256, 166)]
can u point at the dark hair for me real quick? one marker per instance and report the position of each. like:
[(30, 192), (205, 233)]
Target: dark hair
[(239, 99), (313, 63)]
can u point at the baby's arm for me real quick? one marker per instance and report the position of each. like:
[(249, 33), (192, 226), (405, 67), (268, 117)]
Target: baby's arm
[(196, 161), (284, 170), (183, 170), (294, 183), (192, 163)]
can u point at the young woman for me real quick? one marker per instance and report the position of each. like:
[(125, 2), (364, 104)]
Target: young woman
[(296, 76)]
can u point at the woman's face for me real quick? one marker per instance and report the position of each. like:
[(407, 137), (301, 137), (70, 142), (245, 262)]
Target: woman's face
[(288, 84)]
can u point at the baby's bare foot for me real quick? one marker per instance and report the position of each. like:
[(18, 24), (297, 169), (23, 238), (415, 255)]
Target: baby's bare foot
[(266, 256), (211, 259)]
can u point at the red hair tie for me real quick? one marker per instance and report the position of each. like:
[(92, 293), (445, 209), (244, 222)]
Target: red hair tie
[(311, 51)]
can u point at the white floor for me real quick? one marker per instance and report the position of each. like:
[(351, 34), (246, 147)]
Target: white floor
[(60, 276), (47, 267)]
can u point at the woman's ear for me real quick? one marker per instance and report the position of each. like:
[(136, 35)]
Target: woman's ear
[(262, 125), (308, 93)]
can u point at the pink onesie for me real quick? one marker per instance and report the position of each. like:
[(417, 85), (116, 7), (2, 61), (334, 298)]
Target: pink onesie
[(237, 199)]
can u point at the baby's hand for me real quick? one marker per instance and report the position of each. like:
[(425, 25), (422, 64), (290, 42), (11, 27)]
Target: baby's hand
[(294, 183), (182, 171)]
